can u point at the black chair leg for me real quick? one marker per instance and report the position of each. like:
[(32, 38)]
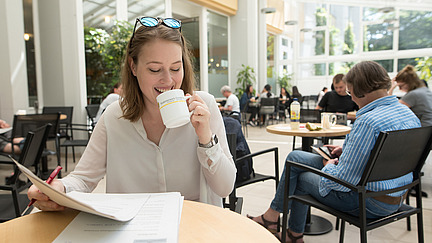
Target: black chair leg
[(342, 230), (408, 218), (16, 203), (73, 153), (337, 223), (66, 155)]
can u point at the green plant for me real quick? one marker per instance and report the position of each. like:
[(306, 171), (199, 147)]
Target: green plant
[(244, 77), (424, 65), (285, 81), (104, 56)]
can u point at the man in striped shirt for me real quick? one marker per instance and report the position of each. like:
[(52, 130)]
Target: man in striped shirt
[(367, 83)]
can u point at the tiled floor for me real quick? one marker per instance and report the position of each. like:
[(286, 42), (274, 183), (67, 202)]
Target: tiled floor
[(257, 197)]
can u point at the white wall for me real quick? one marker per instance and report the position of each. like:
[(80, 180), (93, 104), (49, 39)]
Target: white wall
[(13, 69)]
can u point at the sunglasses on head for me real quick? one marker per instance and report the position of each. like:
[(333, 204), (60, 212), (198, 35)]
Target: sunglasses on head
[(154, 22)]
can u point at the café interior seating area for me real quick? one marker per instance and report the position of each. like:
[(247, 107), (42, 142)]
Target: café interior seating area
[(257, 197)]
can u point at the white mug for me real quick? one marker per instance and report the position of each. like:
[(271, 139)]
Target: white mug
[(173, 108), (328, 120)]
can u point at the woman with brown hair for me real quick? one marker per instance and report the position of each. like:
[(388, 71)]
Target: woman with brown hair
[(130, 144), (418, 97)]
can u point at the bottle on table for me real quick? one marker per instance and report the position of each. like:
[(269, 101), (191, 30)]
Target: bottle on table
[(295, 114)]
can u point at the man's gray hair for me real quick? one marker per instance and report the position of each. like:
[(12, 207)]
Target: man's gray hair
[(225, 88)]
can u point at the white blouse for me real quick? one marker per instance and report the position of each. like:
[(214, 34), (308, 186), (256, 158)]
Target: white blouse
[(132, 163)]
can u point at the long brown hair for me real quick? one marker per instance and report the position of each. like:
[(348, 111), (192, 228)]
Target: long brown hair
[(132, 103), (409, 76)]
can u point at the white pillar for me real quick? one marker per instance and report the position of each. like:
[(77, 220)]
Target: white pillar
[(13, 68), (121, 10), (62, 55), (203, 50), (262, 46), (244, 39)]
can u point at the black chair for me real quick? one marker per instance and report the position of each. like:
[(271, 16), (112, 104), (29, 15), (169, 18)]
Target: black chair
[(13, 205), (245, 116), (395, 154), (308, 115), (235, 203), (268, 106), (67, 128), (22, 124), (92, 111), (254, 177)]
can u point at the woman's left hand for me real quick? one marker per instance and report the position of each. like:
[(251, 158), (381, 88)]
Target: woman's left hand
[(200, 118)]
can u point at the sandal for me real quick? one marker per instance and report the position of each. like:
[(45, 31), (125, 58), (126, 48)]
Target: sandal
[(266, 223), (290, 236)]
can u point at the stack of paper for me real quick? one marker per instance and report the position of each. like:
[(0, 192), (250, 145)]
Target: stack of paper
[(138, 217), (157, 222)]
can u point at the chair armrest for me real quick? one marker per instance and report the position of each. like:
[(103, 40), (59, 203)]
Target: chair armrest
[(319, 172), (275, 149), (80, 125)]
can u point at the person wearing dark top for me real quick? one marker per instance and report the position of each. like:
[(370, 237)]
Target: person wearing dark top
[(284, 99), (337, 100), (248, 96)]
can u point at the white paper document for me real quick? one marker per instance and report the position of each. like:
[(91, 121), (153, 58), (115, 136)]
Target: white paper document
[(120, 207), (157, 222)]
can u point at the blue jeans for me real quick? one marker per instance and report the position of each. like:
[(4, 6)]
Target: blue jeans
[(302, 183)]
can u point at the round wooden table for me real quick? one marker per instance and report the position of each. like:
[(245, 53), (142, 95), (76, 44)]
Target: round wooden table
[(199, 223), (315, 225), (307, 136)]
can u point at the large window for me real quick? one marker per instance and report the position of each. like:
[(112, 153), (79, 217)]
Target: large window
[(217, 26), (334, 37), (415, 30), (378, 30), (344, 28)]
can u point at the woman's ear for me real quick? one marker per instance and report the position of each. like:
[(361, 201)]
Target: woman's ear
[(132, 66)]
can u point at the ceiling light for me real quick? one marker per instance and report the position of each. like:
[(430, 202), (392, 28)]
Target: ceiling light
[(291, 22), (386, 9), (26, 37), (390, 20), (268, 10), (306, 30), (107, 19)]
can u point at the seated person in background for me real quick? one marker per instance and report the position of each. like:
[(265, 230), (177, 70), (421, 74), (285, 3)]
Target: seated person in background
[(368, 83), (418, 97), (321, 94), (285, 98), (337, 100), (5, 141), (130, 144), (232, 103), (115, 94), (266, 92), (248, 95)]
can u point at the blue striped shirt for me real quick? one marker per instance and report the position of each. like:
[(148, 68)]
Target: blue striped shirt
[(384, 114)]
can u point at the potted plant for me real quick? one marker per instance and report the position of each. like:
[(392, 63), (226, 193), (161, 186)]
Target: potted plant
[(245, 77), (285, 81)]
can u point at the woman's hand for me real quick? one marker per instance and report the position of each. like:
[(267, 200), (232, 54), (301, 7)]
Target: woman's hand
[(393, 86), (335, 150), (43, 202), (200, 118), (4, 124)]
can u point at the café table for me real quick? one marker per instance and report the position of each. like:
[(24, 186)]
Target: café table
[(315, 225), (200, 222), (306, 135)]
